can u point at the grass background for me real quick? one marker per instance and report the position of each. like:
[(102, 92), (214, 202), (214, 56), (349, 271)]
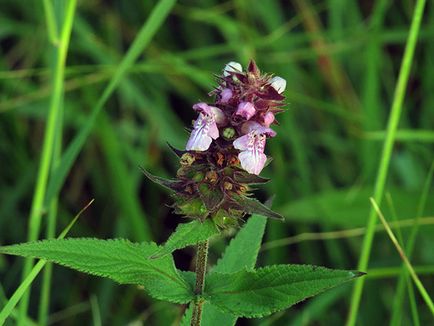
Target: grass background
[(79, 114)]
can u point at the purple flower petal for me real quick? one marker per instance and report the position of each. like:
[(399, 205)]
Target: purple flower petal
[(204, 131), (242, 143), (225, 95), (268, 119), (218, 114), (246, 110), (252, 157), (250, 126)]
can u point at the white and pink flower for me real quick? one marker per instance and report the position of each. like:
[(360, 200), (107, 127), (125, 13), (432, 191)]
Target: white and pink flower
[(246, 110), (252, 145), (205, 127)]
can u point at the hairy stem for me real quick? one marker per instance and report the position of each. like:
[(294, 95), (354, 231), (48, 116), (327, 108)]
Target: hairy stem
[(201, 260)]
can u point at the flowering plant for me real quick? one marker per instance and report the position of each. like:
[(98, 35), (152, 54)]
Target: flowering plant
[(224, 156)]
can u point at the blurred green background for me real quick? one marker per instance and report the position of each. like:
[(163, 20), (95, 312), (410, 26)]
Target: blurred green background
[(341, 60)]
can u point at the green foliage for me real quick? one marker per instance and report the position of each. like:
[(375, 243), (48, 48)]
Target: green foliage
[(325, 156), (120, 260), (187, 234), (241, 253), (347, 207), (253, 206), (260, 292), (243, 249)]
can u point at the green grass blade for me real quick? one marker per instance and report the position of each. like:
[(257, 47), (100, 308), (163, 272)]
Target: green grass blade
[(50, 21), (148, 30), (403, 279), (48, 147), (423, 292), (26, 283), (386, 155)]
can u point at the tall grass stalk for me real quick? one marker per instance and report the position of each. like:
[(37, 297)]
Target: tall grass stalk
[(423, 292), (48, 148), (402, 281), (148, 30), (386, 155)]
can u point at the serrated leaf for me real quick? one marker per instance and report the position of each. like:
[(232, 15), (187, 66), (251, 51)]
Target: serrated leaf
[(187, 234), (120, 260), (186, 318), (171, 185), (257, 293), (253, 206), (242, 251)]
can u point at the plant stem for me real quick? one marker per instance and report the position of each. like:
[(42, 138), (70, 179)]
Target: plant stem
[(201, 261)]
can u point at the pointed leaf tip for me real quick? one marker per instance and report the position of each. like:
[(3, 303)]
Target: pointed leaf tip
[(253, 206), (172, 185), (356, 274)]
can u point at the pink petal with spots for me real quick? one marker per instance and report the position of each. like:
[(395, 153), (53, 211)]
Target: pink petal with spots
[(204, 130), (250, 126)]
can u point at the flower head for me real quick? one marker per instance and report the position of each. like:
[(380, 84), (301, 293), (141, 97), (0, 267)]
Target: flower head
[(225, 152)]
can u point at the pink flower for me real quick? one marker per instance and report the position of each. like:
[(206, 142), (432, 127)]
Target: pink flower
[(218, 114), (205, 127), (246, 110), (225, 95), (268, 119), (252, 146)]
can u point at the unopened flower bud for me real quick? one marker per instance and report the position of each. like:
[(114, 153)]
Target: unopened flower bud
[(198, 177), (232, 67), (268, 119), (278, 83), (187, 159), (225, 95), (228, 133), (212, 176), (228, 186)]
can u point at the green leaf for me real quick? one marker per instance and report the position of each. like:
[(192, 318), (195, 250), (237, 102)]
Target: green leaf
[(253, 206), (187, 234), (186, 318), (118, 259), (171, 185), (245, 177), (242, 251), (257, 293)]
